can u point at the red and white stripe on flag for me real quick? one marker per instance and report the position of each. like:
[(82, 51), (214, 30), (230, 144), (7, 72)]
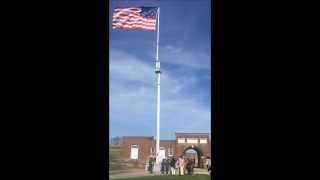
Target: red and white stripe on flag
[(140, 18)]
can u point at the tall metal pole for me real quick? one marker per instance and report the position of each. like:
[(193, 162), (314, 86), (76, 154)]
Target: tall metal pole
[(157, 71)]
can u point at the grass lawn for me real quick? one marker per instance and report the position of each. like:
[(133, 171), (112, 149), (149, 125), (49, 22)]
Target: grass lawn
[(185, 177)]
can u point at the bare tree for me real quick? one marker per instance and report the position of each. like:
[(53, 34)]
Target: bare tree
[(116, 140)]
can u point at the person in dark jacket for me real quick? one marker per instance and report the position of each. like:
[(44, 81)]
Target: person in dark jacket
[(189, 167), (150, 168), (167, 166), (162, 166), (173, 166), (192, 166)]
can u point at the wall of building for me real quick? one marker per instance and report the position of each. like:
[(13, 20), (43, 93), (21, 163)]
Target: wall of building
[(169, 145), (146, 143), (203, 148)]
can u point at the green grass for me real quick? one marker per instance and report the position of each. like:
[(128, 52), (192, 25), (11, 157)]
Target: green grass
[(185, 177)]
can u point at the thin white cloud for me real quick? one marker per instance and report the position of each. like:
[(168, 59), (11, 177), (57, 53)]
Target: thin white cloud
[(178, 56), (132, 96), (173, 49)]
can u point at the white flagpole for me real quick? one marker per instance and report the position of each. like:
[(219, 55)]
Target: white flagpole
[(157, 71)]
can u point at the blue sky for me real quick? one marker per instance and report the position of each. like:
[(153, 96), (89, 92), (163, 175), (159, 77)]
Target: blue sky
[(184, 53)]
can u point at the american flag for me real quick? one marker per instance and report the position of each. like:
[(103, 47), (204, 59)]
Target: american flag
[(140, 18)]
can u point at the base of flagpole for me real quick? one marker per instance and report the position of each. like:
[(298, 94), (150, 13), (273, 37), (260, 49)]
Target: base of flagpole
[(157, 168)]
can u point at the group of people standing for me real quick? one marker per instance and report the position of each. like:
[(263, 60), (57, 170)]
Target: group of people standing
[(173, 166)]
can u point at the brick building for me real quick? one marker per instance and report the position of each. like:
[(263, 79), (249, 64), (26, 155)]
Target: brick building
[(140, 148)]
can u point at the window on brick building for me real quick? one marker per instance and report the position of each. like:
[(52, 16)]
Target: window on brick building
[(134, 153), (162, 152), (181, 140), (152, 151), (203, 141), (170, 151), (192, 140)]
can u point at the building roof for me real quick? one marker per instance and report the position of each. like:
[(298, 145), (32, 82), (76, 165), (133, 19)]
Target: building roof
[(178, 134), (139, 137), (191, 134)]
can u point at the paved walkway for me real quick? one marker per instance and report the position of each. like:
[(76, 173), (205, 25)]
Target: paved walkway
[(200, 171), (139, 173), (130, 174)]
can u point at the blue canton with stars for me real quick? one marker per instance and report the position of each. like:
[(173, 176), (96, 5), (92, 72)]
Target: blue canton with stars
[(149, 12)]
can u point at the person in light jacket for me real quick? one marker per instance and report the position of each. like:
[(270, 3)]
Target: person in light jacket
[(177, 166), (147, 165), (208, 164), (181, 165)]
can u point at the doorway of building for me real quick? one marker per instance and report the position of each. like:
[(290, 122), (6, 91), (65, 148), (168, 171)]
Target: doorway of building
[(194, 154)]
